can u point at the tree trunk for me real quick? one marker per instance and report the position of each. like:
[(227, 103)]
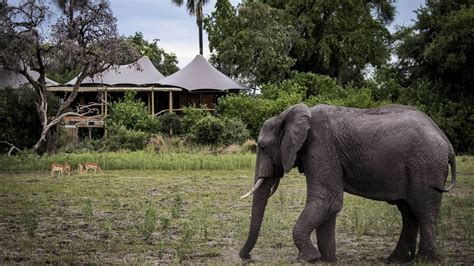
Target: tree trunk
[(49, 145), (200, 36), (259, 202)]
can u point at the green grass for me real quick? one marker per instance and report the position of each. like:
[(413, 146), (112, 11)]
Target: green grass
[(195, 216), (139, 160)]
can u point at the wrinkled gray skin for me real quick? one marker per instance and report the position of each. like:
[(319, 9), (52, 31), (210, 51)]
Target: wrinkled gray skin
[(395, 154)]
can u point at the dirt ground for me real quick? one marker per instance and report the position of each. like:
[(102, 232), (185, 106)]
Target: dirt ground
[(196, 217)]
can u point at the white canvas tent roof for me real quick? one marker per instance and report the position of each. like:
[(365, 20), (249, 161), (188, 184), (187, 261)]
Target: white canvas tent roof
[(15, 80), (140, 73), (200, 75)]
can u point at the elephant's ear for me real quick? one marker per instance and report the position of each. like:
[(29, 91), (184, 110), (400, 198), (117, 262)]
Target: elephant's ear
[(295, 125)]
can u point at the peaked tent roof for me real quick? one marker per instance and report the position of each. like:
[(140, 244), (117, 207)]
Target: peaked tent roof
[(15, 80), (140, 73), (200, 75)]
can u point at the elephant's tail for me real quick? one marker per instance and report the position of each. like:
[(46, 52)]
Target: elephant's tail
[(452, 163)]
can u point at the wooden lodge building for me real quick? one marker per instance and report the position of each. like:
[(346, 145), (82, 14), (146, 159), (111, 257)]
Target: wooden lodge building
[(197, 84)]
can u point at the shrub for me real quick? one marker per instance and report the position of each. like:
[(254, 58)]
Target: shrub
[(190, 117), (234, 132), (170, 124), (232, 149), (207, 130), (18, 109), (119, 137), (250, 146), (163, 144), (132, 114)]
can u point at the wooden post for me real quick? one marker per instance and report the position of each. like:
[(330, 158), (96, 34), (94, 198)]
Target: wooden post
[(171, 102), (152, 102), (105, 111), (102, 105), (149, 102), (105, 103)]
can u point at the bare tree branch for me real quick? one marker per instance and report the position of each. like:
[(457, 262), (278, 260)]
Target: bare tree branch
[(12, 147)]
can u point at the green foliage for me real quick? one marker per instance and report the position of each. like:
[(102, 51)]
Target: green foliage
[(233, 132), (166, 63), (207, 131), (19, 121), (170, 124), (339, 38), (256, 53), (335, 38), (132, 114), (121, 138), (439, 48), (435, 69), (197, 159), (190, 117), (309, 88)]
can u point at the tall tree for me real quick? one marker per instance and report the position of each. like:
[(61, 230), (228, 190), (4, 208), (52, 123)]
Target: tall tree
[(339, 38), (436, 65), (88, 41), (439, 48), (250, 44), (194, 8)]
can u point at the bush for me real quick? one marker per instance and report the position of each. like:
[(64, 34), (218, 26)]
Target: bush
[(132, 114), (234, 132), (119, 138), (19, 121), (162, 144), (190, 117), (170, 124), (250, 146), (207, 130)]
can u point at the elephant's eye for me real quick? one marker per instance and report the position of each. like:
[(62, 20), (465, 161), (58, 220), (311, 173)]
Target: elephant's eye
[(262, 148)]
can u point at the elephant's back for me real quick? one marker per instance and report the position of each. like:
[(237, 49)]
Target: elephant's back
[(394, 130)]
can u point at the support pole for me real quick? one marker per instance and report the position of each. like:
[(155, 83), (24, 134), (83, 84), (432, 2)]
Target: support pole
[(149, 102), (152, 102), (171, 102), (105, 111), (106, 103)]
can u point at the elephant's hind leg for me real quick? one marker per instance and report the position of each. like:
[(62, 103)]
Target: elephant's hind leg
[(406, 246), (426, 215)]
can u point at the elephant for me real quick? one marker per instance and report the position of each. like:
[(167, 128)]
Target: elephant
[(394, 153)]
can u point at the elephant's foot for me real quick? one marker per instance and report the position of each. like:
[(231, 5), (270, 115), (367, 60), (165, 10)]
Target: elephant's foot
[(247, 260), (328, 259), (308, 257), (400, 256), (428, 256)]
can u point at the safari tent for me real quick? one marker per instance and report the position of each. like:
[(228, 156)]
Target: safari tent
[(15, 80), (202, 84)]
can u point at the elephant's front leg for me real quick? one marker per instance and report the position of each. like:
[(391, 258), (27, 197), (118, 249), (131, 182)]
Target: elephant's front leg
[(326, 236), (309, 219), (317, 212)]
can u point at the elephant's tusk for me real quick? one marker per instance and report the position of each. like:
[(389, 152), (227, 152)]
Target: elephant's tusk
[(274, 187), (252, 190)]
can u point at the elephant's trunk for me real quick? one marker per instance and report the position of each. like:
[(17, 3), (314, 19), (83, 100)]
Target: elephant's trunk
[(259, 202)]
